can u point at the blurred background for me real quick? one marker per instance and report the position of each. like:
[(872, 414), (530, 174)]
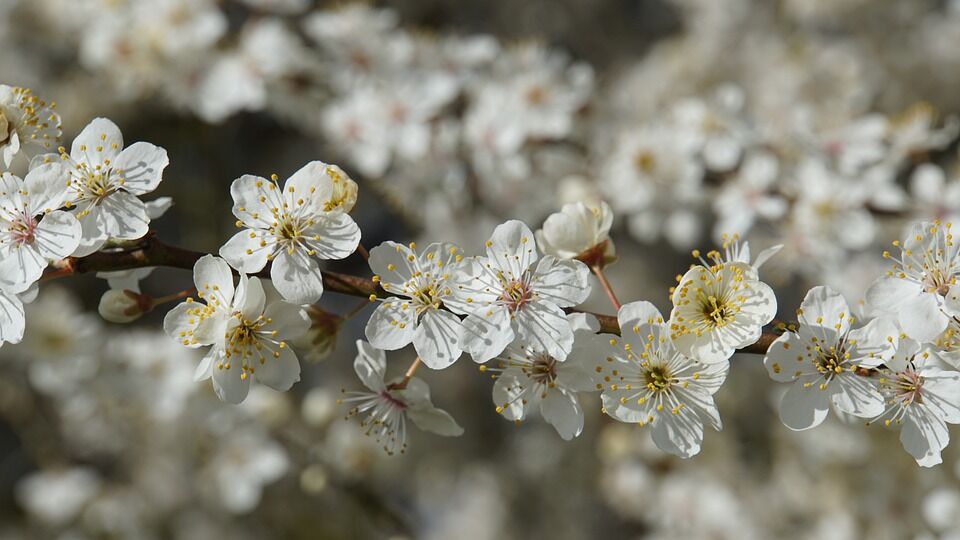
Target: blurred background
[(823, 125)]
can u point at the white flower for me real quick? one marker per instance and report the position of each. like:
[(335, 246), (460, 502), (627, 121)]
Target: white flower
[(388, 405), (56, 497), (824, 358), (509, 294), (529, 379), (248, 338), (246, 461), (921, 290), (578, 228), (104, 181), (12, 320), (647, 381), (28, 125), (424, 280), (749, 195), (122, 306), (718, 309), (921, 398), (33, 229), (292, 226)]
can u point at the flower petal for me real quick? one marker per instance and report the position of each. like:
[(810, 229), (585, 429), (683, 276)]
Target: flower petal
[(437, 338), (487, 335), (244, 252), (804, 407), (279, 373), (142, 164), (545, 328), (297, 277), (564, 282), (563, 412), (228, 384), (393, 325), (370, 365), (213, 278), (512, 248), (334, 236)]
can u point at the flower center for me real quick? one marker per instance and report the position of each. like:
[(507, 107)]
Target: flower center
[(937, 281), (907, 386), (657, 378), (717, 312), (23, 230), (391, 400), (644, 161), (830, 362), (515, 295), (543, 369)]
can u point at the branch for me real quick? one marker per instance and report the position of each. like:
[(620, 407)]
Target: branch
[(149, 251)]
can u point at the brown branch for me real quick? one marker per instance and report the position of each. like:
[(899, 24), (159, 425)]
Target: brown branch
[(150, 251)]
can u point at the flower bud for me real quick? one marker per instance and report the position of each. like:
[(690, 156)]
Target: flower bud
[(123, 306), (579, 231)]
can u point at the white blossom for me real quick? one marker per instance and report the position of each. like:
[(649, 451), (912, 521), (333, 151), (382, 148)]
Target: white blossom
[(509, 294), (921, 399), (105, 180), (56, 497), (421, 283), (718, 309), (826, 361), (248, 338), (387, 406), (921, 291), (529, 379), (578, 228), (33, 229), (246, 461), (647, 381), (28, 125), (291, 226)]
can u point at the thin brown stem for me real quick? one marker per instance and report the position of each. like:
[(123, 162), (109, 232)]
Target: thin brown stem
[(597, 271), (363, 252), (357, 309), (407, 376)]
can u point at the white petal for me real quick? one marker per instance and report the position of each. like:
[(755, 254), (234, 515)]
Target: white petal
[(545, 327), (142, 164), (487, 335), (57, 235), (205, 368), (680, 434), (212, 275), (437, 338), (370, 365), (563, 412), (766, 255), (290, 321), (390, 261), (158, 207), (471, 287), (228, 385), (11, 318), (857, 396), (507, 392), (512, 248), (562, 282), (250, 298), (781, 358), (334, 236), (297, 277), (887, 294), (638, 314), (392, 325), (921, 318), (100, 134), (804, 408), (823, 306), (177, 324), (923, 437), (20, 267), (46, 186), (254, 200), (279, 373), (243, 251), (121, 216)]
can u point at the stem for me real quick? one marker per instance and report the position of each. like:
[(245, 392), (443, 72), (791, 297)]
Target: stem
[(363, 252), (407, 376), (357, 309), (174, 297), (606, 286), (153, 252)]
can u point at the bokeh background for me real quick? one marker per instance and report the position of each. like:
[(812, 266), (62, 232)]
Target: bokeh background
[(830, 123)]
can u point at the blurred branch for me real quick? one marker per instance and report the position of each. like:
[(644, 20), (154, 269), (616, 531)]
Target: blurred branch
[(149, 251)]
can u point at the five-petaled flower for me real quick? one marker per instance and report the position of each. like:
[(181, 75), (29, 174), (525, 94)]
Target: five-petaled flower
[(509, 293), (33, 229), (292, 226), (718, 308), (827, 362), (921, 398), (248, 337), (387, 406), (921, 290), (415, 314), (645, 380), (104, 181), (29, 125), (529, 379)]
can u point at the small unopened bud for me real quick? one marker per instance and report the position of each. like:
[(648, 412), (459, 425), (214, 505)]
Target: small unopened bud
[(123, 306), (319, 341)]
